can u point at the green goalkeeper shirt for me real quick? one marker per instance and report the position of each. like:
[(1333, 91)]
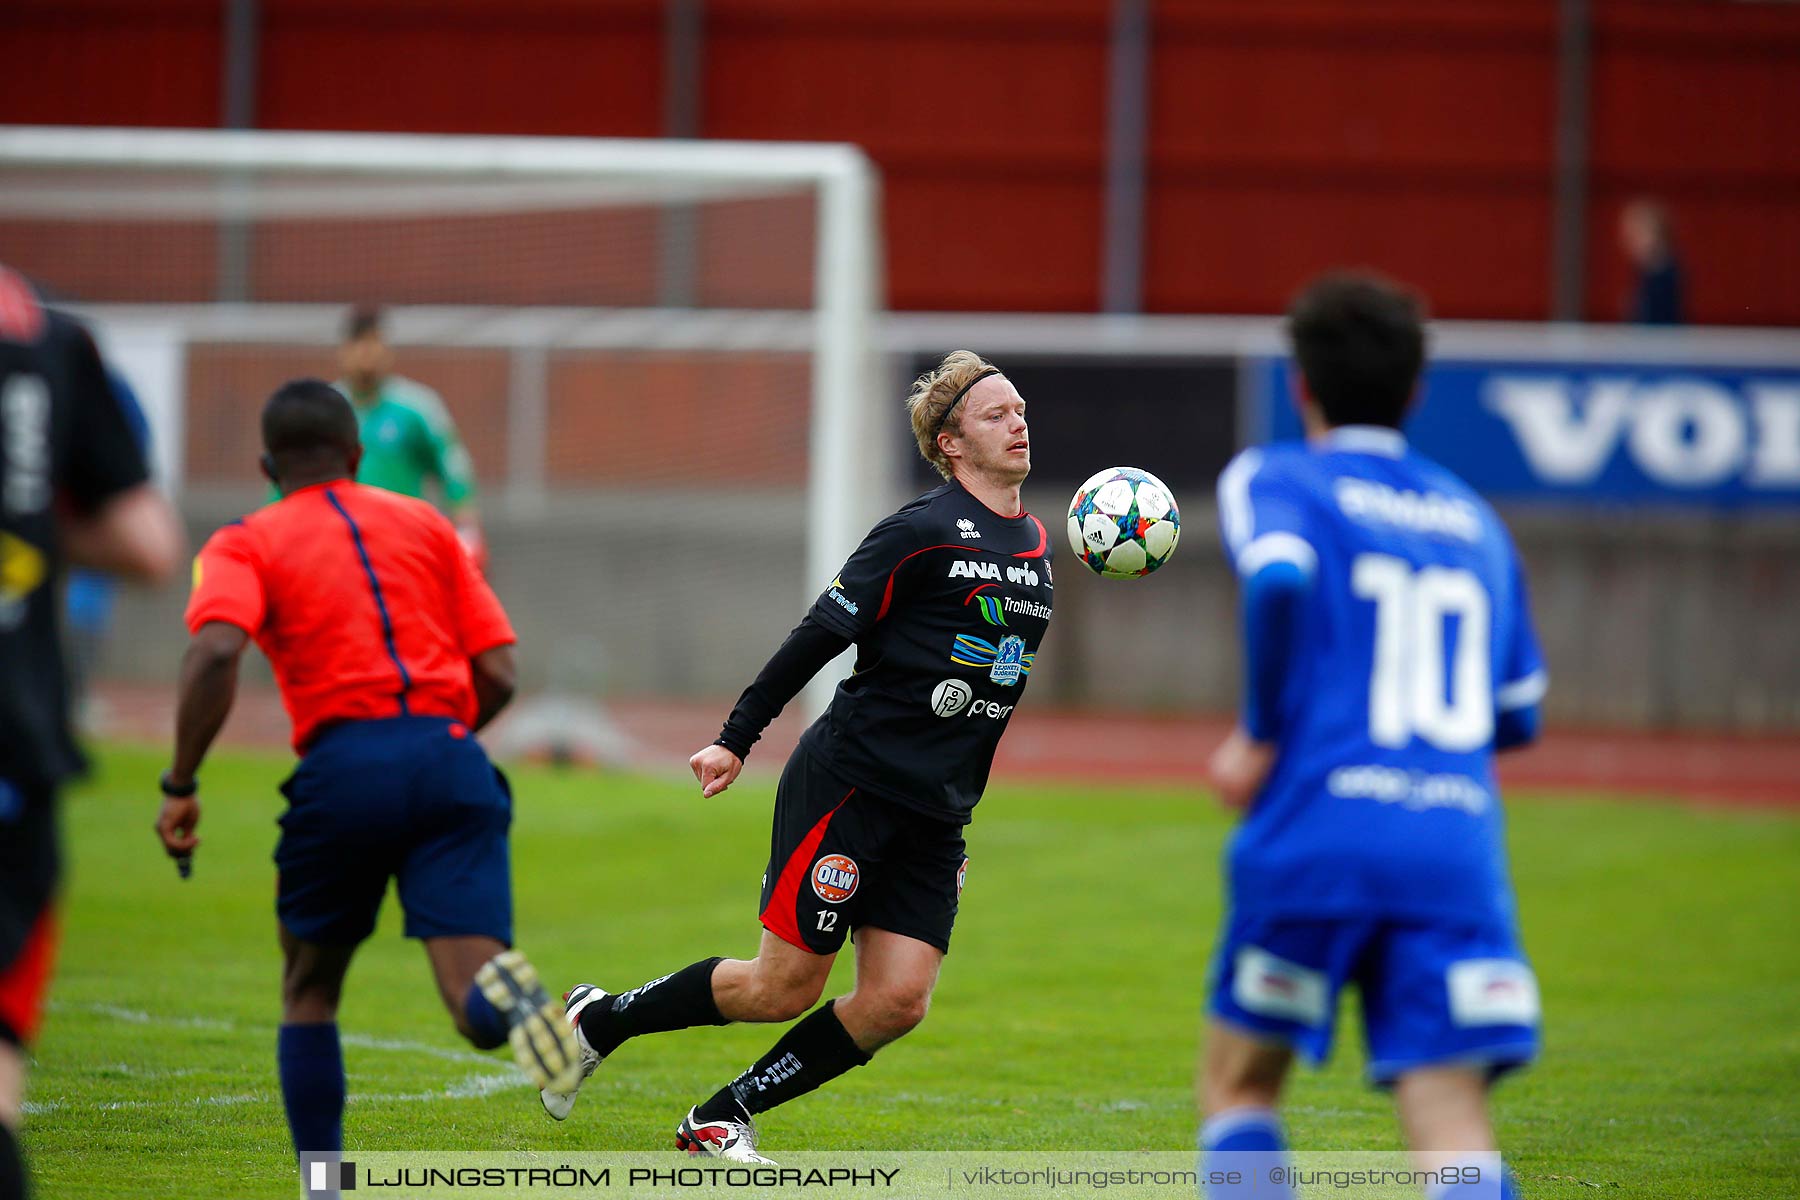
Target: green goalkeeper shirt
[(408, 438)]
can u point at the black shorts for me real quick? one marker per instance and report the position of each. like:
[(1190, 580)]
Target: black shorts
[(30, 862), (841, 858)]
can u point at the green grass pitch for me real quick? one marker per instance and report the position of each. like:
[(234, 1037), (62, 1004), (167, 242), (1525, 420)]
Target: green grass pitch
[(1066, 1018)]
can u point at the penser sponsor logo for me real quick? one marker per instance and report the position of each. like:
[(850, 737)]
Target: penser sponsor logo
[(950, 697), (953, 695)]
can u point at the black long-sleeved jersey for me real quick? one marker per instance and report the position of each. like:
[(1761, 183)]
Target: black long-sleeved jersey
[(946, 602)]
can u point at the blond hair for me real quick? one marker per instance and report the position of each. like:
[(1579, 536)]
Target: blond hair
[(932, 394)]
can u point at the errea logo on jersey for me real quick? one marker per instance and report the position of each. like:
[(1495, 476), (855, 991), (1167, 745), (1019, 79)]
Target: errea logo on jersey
[(968, 528)]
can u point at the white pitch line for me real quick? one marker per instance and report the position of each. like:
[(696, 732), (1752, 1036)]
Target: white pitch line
[(471, 1087), (474, 1087), (364, 1042), (136, 1016)]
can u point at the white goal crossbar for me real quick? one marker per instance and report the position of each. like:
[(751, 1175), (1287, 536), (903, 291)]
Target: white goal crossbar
[(846, 485)]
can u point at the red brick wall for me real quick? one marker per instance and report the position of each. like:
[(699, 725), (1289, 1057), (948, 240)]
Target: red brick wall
[(1412, 135)]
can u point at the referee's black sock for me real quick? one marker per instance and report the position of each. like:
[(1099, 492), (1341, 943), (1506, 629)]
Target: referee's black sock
[(675, 1001), (12, 1166), (813, 1052)]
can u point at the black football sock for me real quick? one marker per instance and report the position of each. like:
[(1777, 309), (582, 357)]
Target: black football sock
[(12, 1166), (813, 1052), (676, 1001)]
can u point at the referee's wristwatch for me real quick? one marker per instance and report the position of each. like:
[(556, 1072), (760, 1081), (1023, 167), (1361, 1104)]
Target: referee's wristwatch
[(178, 791)]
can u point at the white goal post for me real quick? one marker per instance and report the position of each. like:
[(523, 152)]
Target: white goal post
[(96, 179)]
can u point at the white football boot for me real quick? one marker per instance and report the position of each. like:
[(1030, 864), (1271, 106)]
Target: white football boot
[(732, 1139), (542, 1043), (559, 1102)]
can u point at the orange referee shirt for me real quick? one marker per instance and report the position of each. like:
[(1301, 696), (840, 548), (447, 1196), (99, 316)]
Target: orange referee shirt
[(365, 602)]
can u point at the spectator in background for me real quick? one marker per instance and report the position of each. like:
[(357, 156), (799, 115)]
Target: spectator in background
[(407, 434), (1657, 287)]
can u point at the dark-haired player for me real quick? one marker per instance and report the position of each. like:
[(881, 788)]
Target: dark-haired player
[(390, 651), (945, 602), (1389, 653), (73, 488)]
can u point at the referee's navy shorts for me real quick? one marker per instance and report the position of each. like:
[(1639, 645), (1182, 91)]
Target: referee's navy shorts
[(409, 798)]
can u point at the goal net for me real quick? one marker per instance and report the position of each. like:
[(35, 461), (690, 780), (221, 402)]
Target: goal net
[(657, 355)]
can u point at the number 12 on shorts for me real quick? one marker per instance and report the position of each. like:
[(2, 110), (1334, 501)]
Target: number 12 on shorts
[(1408, 696)]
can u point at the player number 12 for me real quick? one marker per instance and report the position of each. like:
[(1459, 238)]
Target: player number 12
[(1407, 692)]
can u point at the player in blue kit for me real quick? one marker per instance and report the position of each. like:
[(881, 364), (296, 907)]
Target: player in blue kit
[(1389, 653)]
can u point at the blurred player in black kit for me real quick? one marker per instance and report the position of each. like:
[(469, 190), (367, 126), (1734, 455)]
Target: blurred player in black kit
[(73, 488), (946, 602)]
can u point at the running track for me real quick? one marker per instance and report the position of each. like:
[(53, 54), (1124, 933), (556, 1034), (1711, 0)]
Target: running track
[(1760, 772)]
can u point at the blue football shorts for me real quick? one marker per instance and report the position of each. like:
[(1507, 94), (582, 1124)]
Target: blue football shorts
[(1434, 993), (413, 799)]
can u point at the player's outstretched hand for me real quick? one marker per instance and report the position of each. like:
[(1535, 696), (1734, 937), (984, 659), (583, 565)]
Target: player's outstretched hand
[(716, 768), (176, 823), (1239, 768)]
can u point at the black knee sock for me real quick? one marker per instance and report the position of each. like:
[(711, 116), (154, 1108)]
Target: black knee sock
[(12, 1166), (813, 1052), (675, 1001)]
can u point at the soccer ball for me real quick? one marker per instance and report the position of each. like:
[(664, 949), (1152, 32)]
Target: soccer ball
[(1123, 523)]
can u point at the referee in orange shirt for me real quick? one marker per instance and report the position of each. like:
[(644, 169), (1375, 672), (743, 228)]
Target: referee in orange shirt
[(390, 651)]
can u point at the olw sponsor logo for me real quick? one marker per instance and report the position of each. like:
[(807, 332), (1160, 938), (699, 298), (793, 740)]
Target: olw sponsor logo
[(834, 878)]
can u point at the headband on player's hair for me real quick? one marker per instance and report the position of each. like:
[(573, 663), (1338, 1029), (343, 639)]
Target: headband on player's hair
[(957, 399)]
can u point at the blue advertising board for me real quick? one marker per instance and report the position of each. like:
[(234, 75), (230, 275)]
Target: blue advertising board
[(1589, 432)]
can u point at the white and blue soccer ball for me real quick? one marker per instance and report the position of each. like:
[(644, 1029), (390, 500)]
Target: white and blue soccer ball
[(1123, 523)]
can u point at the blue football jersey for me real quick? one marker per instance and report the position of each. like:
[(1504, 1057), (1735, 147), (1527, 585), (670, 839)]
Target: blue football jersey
[(1413, 636)]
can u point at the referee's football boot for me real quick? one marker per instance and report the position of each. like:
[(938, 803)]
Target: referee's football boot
[(538, 1031), (732, 1138), (560, 1101)]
